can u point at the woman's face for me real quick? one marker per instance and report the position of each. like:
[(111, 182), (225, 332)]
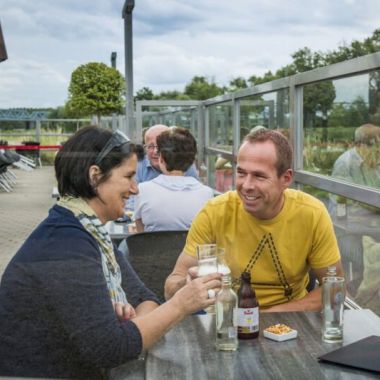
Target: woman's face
[(112, 194)]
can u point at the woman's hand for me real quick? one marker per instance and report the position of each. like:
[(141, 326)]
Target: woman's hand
[(194, 296), (124, 311)]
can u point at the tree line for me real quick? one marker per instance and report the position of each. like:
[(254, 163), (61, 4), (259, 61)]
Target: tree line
[(97, 89)]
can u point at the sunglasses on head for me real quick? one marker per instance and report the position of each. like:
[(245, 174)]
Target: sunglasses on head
[(117, 139)]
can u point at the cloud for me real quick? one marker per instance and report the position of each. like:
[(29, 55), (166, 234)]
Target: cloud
[(173, 40)]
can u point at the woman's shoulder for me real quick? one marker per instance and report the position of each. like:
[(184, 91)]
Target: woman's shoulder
[(60, 236)]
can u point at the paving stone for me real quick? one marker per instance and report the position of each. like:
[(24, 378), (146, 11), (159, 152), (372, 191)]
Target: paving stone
[(23, 209)]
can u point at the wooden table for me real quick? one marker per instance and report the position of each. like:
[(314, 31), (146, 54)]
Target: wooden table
[(188, 351)]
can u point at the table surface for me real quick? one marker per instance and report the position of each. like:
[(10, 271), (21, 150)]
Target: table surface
[(188, 351)]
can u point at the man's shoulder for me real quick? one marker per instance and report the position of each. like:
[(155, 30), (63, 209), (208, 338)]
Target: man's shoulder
[(300, 198), (228, 199), (143, 172), (148, 186), (142, 164), (347, 158)]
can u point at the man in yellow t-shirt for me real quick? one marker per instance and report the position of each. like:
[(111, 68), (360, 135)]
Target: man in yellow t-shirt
[(276, 233)]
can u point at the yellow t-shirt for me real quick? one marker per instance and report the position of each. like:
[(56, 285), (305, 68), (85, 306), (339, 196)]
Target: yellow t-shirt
[(301, 236)]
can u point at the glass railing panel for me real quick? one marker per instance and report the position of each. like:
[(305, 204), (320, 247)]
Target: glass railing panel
[(221, 126), (269, 110), (186, 117), (220, 173), (341, 128), (357, 228)]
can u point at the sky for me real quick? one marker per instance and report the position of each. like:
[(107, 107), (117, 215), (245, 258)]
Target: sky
[(173, 40)]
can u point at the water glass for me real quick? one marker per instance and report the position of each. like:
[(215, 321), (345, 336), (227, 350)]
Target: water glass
[(207, 259), (333, 296), (207, 263), (222, 264)]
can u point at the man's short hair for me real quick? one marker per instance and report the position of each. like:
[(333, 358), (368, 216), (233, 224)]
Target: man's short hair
[(283, 149), (367, 134), (177, 147)]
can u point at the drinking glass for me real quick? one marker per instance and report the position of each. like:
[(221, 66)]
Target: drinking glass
[(221, 261), (207, 259), (333, 295), (207, 263)]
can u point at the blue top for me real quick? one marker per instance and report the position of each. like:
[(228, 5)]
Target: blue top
[(146, 172), (56, 316)]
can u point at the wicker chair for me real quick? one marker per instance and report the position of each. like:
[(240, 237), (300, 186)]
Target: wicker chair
[(153, 256)]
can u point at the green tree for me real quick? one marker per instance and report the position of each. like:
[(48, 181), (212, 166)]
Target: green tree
[(236, 84), (358, 113), (305, 60), (171, 95), (200, 89), (338, 116), (355, 49), (318, 99), (255, 80), (144, 94), (95, 89)]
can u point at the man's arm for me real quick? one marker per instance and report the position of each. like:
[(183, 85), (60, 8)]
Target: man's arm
[(178, 278), (313, 300)]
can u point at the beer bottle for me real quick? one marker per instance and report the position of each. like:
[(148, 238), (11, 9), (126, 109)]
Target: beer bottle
[(248, 309)]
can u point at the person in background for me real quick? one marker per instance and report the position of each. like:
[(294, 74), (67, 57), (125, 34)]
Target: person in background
[(149, 168), (70, 305), (276, 233), (361, 164), (171, 200)]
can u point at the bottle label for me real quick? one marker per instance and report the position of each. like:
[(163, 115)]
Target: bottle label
[(248, 319), (235, 316)]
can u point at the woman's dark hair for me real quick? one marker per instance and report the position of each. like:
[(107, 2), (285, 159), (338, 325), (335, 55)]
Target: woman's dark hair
[(177, 147), (79, 153)]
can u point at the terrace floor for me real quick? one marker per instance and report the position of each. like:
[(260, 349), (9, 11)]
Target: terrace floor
[(23, 209)]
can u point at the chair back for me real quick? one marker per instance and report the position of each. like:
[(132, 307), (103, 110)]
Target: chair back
[(153, 256)]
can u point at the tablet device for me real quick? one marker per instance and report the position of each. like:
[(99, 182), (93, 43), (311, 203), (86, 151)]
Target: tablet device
[(363, 354)]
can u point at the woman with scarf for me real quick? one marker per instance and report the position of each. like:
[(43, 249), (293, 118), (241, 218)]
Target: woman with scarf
[(70, 304)]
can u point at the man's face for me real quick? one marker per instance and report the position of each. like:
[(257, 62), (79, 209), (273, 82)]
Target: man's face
[(151, 145), (257, 183), (370, 153)]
